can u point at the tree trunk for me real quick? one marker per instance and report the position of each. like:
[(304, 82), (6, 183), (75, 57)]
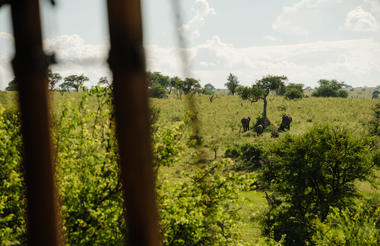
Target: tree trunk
[(265, 110)]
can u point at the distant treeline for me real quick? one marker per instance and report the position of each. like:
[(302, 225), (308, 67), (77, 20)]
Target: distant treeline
[(160, 86)]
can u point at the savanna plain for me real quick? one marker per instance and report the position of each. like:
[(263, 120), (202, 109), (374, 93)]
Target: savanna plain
[(217, 189)]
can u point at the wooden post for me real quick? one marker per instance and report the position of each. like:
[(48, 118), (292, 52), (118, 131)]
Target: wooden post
[(30, 69), (127, 63)]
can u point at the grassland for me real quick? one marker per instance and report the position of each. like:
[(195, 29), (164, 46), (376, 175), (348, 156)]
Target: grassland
[(221, 128)]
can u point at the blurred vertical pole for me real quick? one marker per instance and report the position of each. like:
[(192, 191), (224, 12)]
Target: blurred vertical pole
[(30, 67), (127, 63)]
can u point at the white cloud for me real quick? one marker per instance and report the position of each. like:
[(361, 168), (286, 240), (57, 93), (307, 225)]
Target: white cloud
[(302, 16), (352, 61), (6, 53), (271, 38), (373, 6), (75, 56), (359, 20), (202, 9), (6, 36)]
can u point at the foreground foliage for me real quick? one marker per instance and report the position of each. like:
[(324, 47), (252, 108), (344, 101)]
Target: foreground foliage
[(196, 211), (12, 201), (355, 226), (309, 174)]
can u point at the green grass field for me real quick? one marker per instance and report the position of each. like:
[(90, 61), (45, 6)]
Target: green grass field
[(220, 124), (221, 128)]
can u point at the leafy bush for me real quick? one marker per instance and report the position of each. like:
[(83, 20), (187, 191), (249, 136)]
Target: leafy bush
[(87, 171), (309, 174), (342, 93), (158, 91), (357, 226), (293, 93), (201, 211), (12, 198), (250, 156), (374, 124), (330, 88), (198, 211)]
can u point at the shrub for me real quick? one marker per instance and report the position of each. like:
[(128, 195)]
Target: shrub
[(158, 91), (12, 197), (201, 211), (293, 93), (250, 156), (357, 226), (330, 88), (310, 173), (374, 123), (342, 93)]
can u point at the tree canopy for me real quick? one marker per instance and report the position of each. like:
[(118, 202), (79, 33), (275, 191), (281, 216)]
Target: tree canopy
[(311, 173), (208, 89), (73, 82), (330, 88), (232, 83), (261, 90), (12, 85), (293, 91), (53, 79), (191, 86)]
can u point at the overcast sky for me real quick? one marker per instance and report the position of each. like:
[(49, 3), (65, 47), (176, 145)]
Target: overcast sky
[(306, 40)]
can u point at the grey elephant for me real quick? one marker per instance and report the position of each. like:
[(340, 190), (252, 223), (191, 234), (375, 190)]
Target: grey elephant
[(245, 123), (259, 129), (285, 123)]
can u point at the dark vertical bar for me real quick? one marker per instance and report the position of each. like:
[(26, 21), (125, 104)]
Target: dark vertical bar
[(30, 68), (132, 120)]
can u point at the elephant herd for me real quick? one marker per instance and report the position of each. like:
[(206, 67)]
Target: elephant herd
[(259, 128)]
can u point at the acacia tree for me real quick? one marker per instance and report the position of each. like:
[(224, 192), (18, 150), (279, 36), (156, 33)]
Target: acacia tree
[(191, 86), (261, 90), (104, 81), (12, 85), (232, 83), (208, 89), (178, 84), (53, 79), (73, 82)]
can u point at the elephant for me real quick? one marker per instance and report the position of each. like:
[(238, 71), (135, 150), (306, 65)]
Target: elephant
[(274, 134), (285, 124), (245, 123), (259, 129)]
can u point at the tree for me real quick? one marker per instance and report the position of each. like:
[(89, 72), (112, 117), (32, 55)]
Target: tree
[(178, 84), (293, 91), (157, 91), (330, 88), (311, 173), (103, 81), (158, 78), (260, 91), (191, 86), (53, 79), (375, 94), (208, 89), (12, 85), (73, 82), (232, 83)]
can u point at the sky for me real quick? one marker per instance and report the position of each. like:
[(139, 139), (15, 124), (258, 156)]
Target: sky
[(305, 40)]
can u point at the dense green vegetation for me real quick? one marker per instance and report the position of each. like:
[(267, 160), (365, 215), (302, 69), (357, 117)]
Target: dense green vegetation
[(213, 194)]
